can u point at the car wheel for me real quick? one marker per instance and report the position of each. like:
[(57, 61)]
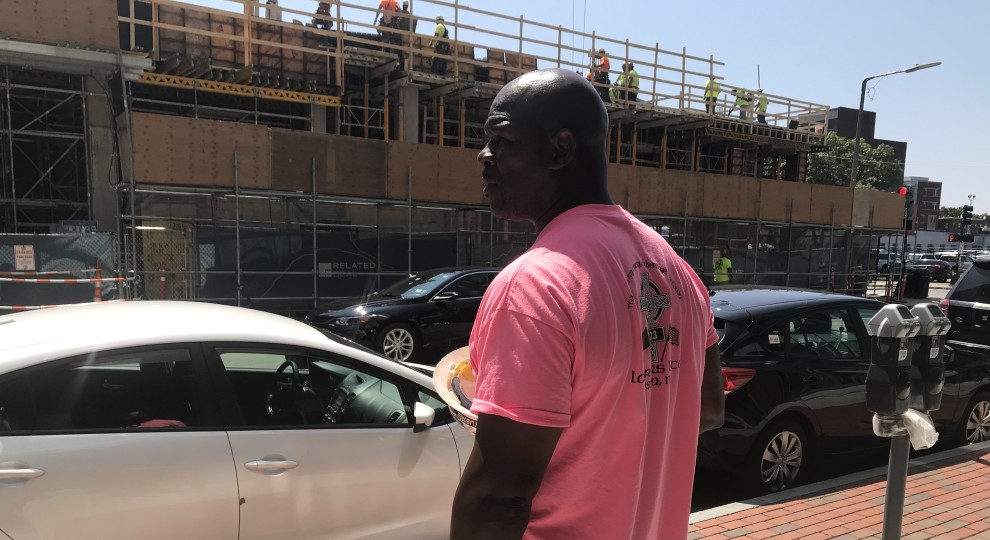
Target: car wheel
[(975, 425), (780, 457), (398, 341)]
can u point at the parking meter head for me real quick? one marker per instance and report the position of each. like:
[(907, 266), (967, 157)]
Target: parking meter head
[(927, 357), (933, 320), (894, 321), (888, 381)]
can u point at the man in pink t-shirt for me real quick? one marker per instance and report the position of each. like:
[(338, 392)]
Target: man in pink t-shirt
[(594, 351)]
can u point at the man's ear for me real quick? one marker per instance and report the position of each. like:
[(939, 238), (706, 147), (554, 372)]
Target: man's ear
[(563, 148)]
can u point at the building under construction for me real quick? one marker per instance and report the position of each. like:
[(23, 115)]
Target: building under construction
[(276, 155)]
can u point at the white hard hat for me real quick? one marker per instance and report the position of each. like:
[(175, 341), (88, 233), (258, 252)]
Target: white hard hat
[(439, 17), (454, 381)]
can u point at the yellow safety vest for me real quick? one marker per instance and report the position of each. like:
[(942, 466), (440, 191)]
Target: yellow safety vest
[(712, 89), (632, 78)]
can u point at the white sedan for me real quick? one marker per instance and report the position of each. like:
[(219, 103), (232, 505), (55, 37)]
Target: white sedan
[(188, 420)]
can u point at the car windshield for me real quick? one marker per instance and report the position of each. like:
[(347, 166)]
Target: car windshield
[(417, 286)]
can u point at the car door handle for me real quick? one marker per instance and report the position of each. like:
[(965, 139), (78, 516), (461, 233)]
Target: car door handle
[(19, 474), (264, 465)]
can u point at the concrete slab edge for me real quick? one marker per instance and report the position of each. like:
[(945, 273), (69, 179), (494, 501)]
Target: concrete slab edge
[(825, 485)]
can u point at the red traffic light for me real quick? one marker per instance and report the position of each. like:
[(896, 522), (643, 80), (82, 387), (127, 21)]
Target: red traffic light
[(902, 191), (953, 237)]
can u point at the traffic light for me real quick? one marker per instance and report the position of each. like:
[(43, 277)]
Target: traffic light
[(908, 193), (954, 237), (967, 216)]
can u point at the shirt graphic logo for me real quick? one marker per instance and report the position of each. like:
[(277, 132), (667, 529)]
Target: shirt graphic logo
[(652, 302)]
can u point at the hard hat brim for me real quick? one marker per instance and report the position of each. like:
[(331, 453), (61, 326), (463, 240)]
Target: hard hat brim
[(443, 381)]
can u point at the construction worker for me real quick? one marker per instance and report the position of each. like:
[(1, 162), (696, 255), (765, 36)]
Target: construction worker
[(440, 46), (322, 20), (631, 83), (712, 90), (742, 102), (723, 268), (386, 12), (761, 107), (600, 67)]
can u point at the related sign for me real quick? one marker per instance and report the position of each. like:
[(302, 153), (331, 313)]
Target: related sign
[(75, 226), (329, 269), (24, 258)]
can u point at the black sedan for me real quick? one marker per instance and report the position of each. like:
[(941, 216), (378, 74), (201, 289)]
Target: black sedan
[(939, 271), (795, 364), (431, 309)]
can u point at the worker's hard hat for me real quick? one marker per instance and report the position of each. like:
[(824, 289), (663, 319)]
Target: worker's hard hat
[(601, 51), (439, 17), (454, 380)]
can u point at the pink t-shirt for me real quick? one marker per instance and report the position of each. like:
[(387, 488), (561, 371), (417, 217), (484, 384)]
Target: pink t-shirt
[(600, 328)]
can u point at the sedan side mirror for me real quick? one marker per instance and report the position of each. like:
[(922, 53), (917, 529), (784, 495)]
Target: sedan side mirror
[(423, 416), (446, 296)]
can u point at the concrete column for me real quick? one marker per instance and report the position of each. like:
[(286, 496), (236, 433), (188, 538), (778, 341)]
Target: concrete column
[(409, 103), (100, 135), (318, 115)]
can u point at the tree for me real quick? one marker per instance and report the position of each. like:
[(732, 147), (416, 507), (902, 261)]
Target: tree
[(950, 212), (878, 168)]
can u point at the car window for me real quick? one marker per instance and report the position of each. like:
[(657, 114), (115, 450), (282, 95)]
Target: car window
[(470, 286), (291, 389), (974, 286), (135, 389), (769, 341), (417, 286), (827, 335)]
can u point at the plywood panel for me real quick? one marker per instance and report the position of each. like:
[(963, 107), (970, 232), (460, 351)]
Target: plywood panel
[(654, 191), (785, 201), (887, 209), (185, 151), (355, 167), (825, 200), (92, 23), (293, 153), (727, 196)]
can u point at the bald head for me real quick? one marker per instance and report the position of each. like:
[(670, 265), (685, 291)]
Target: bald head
[(550, 100)]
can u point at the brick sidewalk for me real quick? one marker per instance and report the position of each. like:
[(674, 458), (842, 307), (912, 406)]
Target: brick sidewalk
[(947, 498)]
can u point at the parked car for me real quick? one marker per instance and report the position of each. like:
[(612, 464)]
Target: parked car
[(795, 365), (432, 309), (939, 271), (888, 262), (968, 306), (162, 420), (960, 263)]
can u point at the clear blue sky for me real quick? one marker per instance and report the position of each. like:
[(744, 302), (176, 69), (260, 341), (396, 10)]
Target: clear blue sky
[(821, 52)]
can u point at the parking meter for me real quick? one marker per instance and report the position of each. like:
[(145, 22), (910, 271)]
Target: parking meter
[(888, 381), (927, 362)]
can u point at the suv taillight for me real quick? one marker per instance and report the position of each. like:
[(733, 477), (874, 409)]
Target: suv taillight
[(735, 378), (944, 305)]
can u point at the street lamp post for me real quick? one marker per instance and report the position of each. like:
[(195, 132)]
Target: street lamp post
[(859, 115), (855, 158)]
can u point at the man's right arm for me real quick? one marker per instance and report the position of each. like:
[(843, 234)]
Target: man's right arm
[(501, 478), (712, 391)]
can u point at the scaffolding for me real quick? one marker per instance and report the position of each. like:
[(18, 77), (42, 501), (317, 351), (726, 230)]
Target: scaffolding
[(44, 150), (339, 58)]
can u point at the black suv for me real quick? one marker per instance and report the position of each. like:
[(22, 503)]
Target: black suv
[(968, 306)]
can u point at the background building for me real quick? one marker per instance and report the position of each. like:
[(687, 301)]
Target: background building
[(233, 157)]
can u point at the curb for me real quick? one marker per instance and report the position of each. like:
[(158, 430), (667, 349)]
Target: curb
[(826, 485)]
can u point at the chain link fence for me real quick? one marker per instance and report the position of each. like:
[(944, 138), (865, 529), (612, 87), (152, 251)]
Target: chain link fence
[(41, 270)]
